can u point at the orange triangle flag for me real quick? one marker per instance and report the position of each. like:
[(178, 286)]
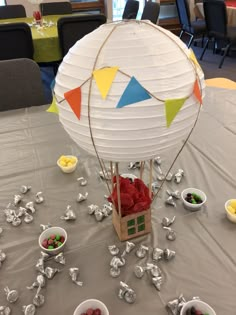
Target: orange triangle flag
[(104, 78), (73, 98), (197, 92)]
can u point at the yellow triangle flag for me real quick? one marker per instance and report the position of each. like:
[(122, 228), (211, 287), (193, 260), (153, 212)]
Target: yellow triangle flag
[(194, 59), (104, 78), (172, 108), (53, 107)]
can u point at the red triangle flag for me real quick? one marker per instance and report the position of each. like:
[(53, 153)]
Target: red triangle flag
[(73, 98), (197, 92)]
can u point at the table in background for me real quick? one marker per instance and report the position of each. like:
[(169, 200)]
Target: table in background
[(231, 12), (31, 141), (45, 39)]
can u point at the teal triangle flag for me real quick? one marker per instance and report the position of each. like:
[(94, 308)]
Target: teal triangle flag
[(52, 84), (133, 93)]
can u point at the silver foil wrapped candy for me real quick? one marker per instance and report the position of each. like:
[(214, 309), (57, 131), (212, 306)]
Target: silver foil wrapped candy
[(69, 214), (28, 218), (176, 305), (50, 272), (40, 265), (129, 246), (39, 198), (74, 273), (155, 187), (92, 208), (2, 257), (98, 215), (60, 258), (157, 254), (40, 282), (38, 299), (29, 309), (134, 165), (168, 254), (157, 281), (113, 249), (126, 293), (142, 251), (139, 271), (30, 206), (171, 234), (5, 310), (115, 263), (170, 201), (167, 222), (45, 227), (82, 181), (16, 221), (12, 295), (21, 211), (17, 199), (176, 194), (24, 189), (179, 175), (81, 197), (169, 177)]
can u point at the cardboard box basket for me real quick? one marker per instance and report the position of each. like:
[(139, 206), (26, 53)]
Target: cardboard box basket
[(132, 225)]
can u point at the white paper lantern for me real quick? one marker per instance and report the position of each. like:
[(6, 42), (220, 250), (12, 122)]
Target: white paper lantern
[(160, 63)]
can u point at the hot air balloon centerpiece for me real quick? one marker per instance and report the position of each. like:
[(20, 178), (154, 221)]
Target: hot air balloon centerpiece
[(129, 91)]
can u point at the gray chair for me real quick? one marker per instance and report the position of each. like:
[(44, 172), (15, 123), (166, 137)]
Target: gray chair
[(73, 28), (151, 11), (15, 41), (12, 11), (55, 8), (21, 84), (130, 10)]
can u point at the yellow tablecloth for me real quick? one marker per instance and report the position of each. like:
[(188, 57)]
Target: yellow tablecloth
[(45, 39)]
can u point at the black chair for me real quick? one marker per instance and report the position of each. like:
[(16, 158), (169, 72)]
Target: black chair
[(217, 29), (151, 11), (130, 10), (193, 29), (73, 28), (12, 11), (55, 8), (21, 84), (15, 41)]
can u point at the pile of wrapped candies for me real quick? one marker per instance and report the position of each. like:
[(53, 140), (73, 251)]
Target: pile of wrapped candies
[(54, 241), (193, 311), (232, 206), (193, 198), (91, 311), (67, 161)]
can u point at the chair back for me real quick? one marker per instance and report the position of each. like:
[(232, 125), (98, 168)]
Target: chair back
[(216, 17), (130, 10), (12, 11), (55, 8), (183, 13), (21, 84), (73, 28), (15, 41), (151, 11)]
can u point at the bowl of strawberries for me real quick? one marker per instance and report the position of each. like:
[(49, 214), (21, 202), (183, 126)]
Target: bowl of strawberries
[(91, 307)]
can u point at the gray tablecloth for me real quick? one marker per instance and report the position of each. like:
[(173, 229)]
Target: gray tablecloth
[(31, 140)]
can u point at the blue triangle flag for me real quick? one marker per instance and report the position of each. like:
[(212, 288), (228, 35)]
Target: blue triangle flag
[(133, 93)]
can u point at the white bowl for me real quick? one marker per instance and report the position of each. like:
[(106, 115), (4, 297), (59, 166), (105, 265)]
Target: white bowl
[(191, 206), (47, 233), (230, 216), (91, 303), (199, 305), (68, 169)]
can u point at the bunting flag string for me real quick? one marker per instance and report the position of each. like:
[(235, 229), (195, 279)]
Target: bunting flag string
[(104, 78), (197, 92), (172, 107), (133, 93), (53, 107), (73, 97), (194, 59)]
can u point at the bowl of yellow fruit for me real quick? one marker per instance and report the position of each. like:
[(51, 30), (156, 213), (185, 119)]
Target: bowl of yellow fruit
[(230, 208), (67, 163)]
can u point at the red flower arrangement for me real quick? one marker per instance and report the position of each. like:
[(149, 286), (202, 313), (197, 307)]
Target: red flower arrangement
[(134, 196)]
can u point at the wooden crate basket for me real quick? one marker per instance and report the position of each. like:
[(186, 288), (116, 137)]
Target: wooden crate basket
[(132, 225)]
